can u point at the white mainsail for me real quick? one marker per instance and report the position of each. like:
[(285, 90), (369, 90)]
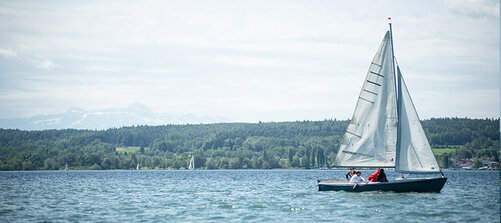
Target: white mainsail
[(415, 153), (370, 139)]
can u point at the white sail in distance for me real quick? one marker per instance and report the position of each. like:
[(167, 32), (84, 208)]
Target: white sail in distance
[(370, 139), (415, 153), (192, 163)]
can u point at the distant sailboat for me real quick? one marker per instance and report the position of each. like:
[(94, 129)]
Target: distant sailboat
[(192, 163), (137, 167), (66, 167), (385, 132)]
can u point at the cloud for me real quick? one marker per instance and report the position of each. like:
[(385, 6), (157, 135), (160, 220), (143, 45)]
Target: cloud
[(474, 8), (46, 64), (246, 61), (42, 63), (8, 53)]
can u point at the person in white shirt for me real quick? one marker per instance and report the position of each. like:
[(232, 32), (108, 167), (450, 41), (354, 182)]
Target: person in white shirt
[(357, 178)]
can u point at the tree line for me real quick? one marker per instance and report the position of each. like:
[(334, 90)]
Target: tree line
[(300, 144)]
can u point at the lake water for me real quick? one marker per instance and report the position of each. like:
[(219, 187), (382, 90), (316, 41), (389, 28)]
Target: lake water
[(235, 196)]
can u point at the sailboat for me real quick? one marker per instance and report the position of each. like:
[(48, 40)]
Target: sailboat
[(192, 163), (137, 166), (385, 132), (66, 167)]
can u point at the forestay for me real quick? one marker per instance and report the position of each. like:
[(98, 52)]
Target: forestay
[(370, 139)]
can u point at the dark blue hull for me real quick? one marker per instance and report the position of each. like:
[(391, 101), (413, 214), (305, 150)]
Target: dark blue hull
[(399, 185)]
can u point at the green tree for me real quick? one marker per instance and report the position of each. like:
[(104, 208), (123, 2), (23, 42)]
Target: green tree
[(199, 161), (291, 155), (305, 162), (211, 164), (95, 167), (295, 162), (312, 157), (266, 165), (283, 144), (106, 164), (478, 163), (235, 163), (445, 160)]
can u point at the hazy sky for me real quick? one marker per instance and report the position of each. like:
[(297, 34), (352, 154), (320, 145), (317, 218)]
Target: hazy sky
[(244, 60)]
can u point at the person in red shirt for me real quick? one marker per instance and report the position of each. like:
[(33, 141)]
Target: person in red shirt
[(373, 176)]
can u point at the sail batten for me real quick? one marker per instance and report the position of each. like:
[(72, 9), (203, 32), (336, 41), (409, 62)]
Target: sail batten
[(374, 83), (376, 74), (367, 100)]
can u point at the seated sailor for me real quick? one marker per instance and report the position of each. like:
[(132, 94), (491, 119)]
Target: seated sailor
[(373, 176), (357, 178), (381, 177)]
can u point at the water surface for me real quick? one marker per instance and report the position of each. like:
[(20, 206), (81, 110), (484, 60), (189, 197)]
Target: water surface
[(235, 196)]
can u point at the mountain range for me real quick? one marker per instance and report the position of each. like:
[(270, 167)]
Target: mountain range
[(77, 118)]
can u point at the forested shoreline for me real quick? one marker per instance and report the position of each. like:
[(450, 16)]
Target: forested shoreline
[(300, 144)]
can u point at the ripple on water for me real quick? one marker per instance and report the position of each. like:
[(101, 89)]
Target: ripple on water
[(221, 196), (257, 206)]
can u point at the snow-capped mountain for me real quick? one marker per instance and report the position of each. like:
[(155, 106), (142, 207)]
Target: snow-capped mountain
[(76, 118)]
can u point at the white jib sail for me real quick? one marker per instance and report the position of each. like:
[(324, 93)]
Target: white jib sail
[(415, 151), (370, 139)]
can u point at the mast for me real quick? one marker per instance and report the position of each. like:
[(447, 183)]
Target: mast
[(398, 86)]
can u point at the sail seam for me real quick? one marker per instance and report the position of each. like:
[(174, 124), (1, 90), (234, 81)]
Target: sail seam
[(379, 65)]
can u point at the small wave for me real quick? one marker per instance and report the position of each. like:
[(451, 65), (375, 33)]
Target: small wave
[(257, 206), (226, 206)]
